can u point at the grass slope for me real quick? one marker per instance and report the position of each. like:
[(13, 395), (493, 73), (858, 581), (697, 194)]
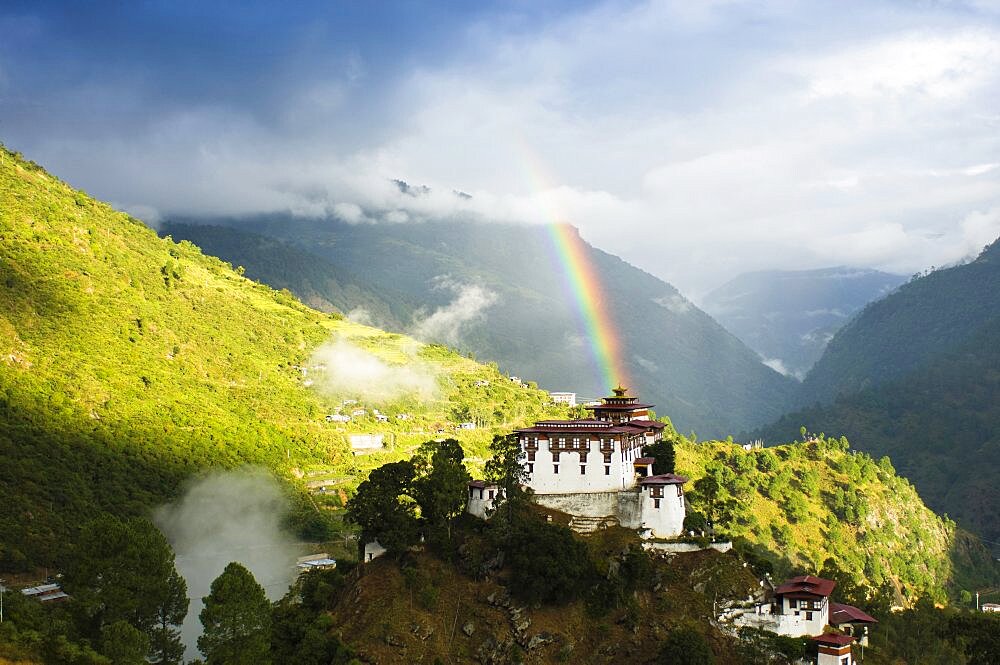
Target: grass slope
[(801, 504), (129, 362)]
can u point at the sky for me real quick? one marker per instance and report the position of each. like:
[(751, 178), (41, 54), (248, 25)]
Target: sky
[(696, 140)]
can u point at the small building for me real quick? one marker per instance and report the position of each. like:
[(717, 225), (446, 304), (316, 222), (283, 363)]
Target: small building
[(363, 442), (805, 603), (315, 562), (991, 607), (569, 399), (373, 550), (358, 413), (852, 621), (662, 504), (482, 496), (467, 425), (338, 418), (834, 649), (46, 593)]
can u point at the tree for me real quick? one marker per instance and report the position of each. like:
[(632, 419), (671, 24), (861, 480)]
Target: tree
[(686, 646), (663, 451), (124, 644), (236, 620), (384, 508), (124, 570), (442, 488), (506, 470)]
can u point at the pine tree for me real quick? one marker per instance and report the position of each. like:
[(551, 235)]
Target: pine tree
[(236, 620)]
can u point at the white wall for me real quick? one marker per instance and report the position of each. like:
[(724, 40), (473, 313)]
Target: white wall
[(543, 479), (797, 622), (666, 521), (481, 501)]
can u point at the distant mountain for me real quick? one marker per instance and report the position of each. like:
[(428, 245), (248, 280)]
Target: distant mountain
[(788, 317), (921, 320), (678, 357)]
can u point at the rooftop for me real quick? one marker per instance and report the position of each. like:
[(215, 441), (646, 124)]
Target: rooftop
[(833, 640), (840, 614), (806, 584), (664, 479)]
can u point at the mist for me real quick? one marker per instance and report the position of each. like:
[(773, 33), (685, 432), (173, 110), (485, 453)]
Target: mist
[(348, 369), (224, 517), (445, 324)]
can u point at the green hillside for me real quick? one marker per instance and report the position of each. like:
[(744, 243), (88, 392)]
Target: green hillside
[(940, 424), (129, 362), (804, 506), (677, 356), (924, 318)]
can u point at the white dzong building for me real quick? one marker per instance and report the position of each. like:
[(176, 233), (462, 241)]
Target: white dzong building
[(594, 469)]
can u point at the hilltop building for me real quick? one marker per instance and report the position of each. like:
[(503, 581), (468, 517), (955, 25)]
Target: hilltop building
[(801, 607), (569, 399), (593, 469)]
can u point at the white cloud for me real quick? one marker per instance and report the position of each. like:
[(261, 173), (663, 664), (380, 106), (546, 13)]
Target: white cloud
[(675, 302), (445, 324), (696, 140), (346, 369)]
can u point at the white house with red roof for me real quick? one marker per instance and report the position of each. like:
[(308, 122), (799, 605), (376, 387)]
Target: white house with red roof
[(802, 607), (594, 469)]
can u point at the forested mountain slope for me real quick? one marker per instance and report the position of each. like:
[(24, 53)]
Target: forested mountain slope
[(677, 356), (940, 424), (129, 362), (789, 316), (924, 318)]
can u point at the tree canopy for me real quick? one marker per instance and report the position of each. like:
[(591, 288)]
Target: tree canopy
[(236, 620)]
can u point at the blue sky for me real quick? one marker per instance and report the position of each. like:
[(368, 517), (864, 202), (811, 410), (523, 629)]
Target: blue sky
[(696, 140)]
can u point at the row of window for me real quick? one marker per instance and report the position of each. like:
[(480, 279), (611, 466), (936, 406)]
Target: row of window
[(583, 469)]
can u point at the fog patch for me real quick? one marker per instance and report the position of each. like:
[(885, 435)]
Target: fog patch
[(676, 303), (361, 315), (646, 364), (778, 366), (446, 323), (223, 517), (343, 368)]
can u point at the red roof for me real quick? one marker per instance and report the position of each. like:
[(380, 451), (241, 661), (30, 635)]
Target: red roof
[(664, 479), (620, 407), (480, 484), (840, 613), (806, 584), (833, 640), (644, 460)]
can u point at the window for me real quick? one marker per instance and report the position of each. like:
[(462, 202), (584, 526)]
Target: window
[(583, 469), (491, 495), (792, 603), (656, 503), (809, 616), (576, 442), (846, 660), (607, 470), (531, 468), (555, 468)]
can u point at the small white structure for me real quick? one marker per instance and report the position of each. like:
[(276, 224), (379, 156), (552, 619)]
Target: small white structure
[(45, 593), (801, 608), (569, 399), (482, 496), (338, 418), (991, 607), (662, 504), (358, 412), (315, 562), (467, 426), (373, 550), (365, 442), (834, 650)]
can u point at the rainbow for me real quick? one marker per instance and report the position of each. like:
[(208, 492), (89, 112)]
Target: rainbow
[(581, 282), (584, 286)]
